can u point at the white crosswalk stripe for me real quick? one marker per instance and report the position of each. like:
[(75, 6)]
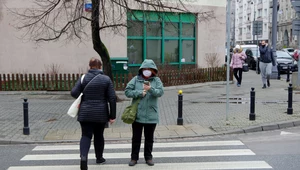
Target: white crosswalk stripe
[(168, 151)]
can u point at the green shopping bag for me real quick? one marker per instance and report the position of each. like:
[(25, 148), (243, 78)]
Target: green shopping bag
[(130, 112)]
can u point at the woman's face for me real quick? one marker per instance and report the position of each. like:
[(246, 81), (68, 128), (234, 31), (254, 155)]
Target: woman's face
[(147, 72)]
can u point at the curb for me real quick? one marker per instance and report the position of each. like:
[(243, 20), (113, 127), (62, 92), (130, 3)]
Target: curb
[(265, 127), (260, 128), (180, 87)]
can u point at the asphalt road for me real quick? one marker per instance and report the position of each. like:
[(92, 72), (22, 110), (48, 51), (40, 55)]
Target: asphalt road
[(262, 150)]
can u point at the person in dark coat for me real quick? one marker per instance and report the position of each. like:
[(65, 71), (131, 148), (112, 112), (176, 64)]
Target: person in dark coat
[(98, 106), (265, 63)]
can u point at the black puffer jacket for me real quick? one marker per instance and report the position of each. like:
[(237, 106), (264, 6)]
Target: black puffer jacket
[(96, 97)]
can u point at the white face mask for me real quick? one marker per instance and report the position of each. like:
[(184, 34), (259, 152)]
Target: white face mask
[(147, 73)]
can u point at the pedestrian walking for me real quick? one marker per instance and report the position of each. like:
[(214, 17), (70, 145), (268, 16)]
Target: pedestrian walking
[(237, 61), (265, 63), (98, 106), (148, 87)]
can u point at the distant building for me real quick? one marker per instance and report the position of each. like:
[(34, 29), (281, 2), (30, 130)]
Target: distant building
[(246, 12), (285, 16)]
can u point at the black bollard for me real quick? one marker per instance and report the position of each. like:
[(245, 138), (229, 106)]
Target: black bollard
[(290, 100), (278, 69), (288, 74), (26, 123), (179, 119), (252, 104)]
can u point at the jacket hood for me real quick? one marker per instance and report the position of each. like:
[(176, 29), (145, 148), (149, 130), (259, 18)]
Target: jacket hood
[(148, 63)]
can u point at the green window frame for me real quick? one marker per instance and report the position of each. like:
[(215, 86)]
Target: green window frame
[(139, 21)]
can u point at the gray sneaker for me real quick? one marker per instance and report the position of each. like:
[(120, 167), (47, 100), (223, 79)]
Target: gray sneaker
[(150, 162), (132, 163)]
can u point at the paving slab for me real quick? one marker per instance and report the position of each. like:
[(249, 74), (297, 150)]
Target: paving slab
[(204, 112)]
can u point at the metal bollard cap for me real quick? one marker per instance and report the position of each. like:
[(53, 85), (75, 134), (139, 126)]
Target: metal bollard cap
[(180, 92)]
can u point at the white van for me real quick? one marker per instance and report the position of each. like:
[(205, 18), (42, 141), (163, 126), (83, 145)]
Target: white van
[(255, 51)]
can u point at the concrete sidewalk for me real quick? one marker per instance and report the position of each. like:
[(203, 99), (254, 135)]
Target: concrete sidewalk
[(204, 112)]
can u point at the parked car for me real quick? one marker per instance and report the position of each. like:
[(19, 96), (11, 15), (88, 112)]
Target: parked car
[(290, 51), (251, 60), (284, 60)]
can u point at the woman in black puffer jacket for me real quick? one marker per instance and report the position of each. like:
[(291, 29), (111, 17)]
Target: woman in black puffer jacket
[(98, 106)]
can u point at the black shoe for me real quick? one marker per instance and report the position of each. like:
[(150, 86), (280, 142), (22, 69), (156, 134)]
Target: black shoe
[(268, 83), (264, 86), (83, 163), (150, 162), (132, 163), (100, 161)]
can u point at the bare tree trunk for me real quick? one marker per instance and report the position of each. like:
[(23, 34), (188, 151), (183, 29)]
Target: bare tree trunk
[(98, 45)]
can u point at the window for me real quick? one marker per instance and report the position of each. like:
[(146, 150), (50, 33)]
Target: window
[(135, 28), (154, 29), (164, 37), (248, 28), (171, 29), (154, 50), (266, 13), (259, 13), (187, 50), (135, 51)]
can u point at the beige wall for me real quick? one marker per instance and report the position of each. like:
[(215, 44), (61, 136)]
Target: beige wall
[(211, 37), (20, 56)]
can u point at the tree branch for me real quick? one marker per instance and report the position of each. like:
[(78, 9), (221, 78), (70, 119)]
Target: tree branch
[(113, 25)]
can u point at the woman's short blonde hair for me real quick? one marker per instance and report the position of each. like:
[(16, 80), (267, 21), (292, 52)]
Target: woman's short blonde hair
[(237, 49)]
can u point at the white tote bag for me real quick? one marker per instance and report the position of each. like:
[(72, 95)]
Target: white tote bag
[(74, 108)]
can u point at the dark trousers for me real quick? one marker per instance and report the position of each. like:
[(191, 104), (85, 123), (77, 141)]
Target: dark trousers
[(137, 129), (238, 72), (89, 129)]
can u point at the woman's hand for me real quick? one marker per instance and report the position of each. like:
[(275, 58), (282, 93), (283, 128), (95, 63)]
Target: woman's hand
[(144, 93), (111, 121), (147, 87)]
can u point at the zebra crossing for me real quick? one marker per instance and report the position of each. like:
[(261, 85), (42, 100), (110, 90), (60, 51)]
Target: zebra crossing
[(198, 155)]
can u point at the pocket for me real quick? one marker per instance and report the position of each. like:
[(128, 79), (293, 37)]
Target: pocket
[(154, 108)]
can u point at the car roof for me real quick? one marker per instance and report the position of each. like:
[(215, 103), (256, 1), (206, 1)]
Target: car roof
[(249, 45)]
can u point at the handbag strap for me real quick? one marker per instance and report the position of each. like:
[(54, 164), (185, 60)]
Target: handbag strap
[(89, 81), (82, 77)]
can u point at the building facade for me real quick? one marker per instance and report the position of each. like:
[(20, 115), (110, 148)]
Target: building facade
[(176, 38), (285, 17), (248, 11), (233, 19)]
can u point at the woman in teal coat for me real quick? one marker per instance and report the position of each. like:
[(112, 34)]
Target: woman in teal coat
[(148, 87)]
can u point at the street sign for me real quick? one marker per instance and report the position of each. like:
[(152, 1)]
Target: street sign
[(257, 27), (296, 27)]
